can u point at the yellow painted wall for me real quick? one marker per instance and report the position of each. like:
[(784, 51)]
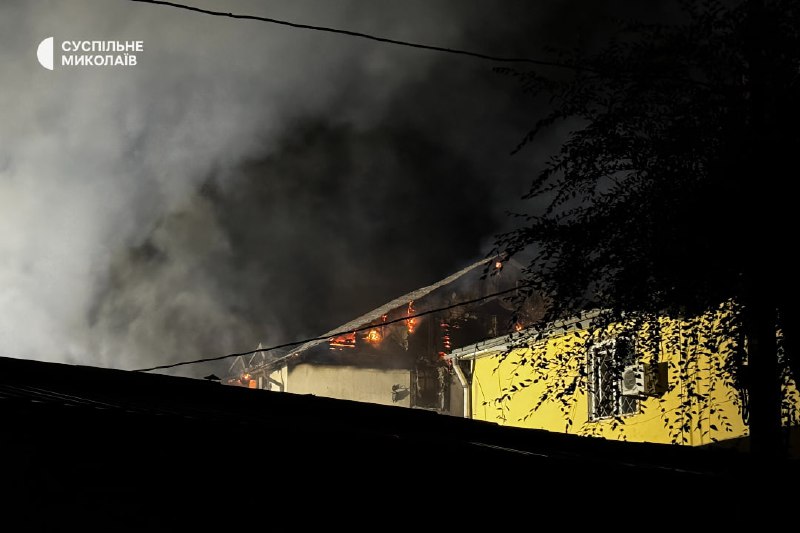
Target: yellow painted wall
[(700, 406)]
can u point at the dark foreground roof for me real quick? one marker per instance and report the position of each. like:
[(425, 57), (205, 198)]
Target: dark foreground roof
[(86, 445)]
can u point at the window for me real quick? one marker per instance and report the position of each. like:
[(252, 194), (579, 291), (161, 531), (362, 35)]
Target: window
[(607, 360)]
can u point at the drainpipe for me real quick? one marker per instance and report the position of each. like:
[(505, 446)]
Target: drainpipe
[(462, 379)]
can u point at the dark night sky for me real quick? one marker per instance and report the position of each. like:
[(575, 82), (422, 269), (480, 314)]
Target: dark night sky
[(246, 182)]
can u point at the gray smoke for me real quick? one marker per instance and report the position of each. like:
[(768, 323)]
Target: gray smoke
[(247, 182)]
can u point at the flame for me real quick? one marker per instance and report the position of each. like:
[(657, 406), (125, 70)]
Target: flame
[(411, 323), (498, 265), (244, 380), (348, 340), (373, 335), (446, 346), (517, 327)]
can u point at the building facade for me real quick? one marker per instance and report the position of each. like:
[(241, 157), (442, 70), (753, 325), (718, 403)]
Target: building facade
[(678, 380)]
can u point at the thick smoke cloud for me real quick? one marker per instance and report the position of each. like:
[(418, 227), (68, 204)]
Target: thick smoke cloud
[(247, 182)]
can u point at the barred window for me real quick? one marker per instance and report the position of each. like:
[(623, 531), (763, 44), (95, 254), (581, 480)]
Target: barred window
[(607, 360)]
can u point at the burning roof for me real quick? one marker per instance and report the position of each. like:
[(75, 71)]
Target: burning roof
[(343, 338), (343, 332)]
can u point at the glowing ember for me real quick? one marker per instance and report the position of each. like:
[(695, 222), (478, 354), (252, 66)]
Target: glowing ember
[(373, 335), (517, 327), (498, 265), (411, 323)]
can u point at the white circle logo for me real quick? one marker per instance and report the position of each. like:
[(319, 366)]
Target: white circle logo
[(45, 53)]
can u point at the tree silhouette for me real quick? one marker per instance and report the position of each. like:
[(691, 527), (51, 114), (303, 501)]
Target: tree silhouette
[(673, 191)]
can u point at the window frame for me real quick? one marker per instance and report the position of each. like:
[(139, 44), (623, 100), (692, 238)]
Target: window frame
[(600, 406)]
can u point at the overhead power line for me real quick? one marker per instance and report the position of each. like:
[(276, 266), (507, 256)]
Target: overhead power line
[(447, 50), (360, 35), (327, 336)]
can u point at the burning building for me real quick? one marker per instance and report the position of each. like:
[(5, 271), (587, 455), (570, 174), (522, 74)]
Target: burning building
[(397, 354)]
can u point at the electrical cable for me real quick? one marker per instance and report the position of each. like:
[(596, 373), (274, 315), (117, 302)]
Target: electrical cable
[(328, 336)]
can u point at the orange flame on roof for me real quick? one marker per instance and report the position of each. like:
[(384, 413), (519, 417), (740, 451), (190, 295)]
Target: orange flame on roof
[(374, 335), (348, 340), (411, 323), (446, 346)]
